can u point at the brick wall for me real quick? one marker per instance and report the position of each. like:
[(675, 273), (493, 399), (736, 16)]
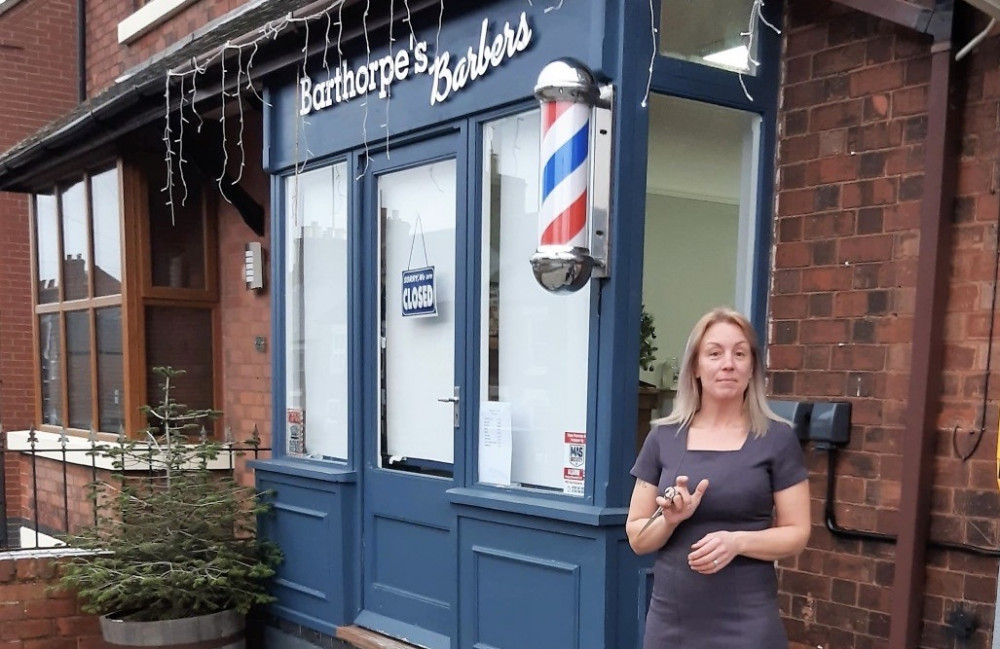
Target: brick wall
[(34, 617), (107, 59), (38, 80), (853, 122), (245, 314)]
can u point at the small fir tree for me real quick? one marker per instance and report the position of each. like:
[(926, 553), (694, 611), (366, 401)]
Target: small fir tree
[(173, 537)]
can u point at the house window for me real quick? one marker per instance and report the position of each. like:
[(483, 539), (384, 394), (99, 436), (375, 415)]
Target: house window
[(316, 251), (92, 304), (534, 346), (78, 303)]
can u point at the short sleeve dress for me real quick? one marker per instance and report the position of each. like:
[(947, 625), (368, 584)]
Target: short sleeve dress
[(736, 607)]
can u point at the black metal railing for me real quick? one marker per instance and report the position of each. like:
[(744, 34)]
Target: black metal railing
[(38, 503)]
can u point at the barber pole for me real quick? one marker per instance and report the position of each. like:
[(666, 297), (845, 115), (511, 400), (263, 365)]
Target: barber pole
[(562, 218), (575, 184)]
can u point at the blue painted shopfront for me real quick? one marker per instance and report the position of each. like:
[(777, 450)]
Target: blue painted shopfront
[(422, 549)]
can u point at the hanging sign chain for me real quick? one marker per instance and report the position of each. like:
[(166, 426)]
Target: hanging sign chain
[(418, 225)]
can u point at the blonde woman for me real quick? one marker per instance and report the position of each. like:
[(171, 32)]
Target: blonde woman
[(721, 492)]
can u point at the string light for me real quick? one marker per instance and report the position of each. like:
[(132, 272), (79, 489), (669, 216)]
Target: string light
[(756, 15)]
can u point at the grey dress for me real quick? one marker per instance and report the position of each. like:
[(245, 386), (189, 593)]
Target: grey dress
[(737, 607)]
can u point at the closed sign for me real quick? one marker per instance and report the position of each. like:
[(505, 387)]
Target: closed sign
[(419, 292)]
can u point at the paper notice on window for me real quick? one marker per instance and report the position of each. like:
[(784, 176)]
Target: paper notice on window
[(574, 479), (494, 442)]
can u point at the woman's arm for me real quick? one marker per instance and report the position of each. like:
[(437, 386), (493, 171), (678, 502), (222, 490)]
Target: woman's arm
[(787, 537)]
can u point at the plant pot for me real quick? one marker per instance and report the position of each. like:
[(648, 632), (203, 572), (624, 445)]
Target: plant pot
[(223, 630)]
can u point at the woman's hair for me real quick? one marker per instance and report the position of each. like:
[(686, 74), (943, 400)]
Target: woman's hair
[(687, 401)]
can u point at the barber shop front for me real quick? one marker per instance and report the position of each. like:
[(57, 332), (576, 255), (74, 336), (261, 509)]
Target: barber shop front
[(462, 279)]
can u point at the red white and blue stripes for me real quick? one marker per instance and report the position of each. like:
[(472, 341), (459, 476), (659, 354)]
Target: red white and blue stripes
[(562, 219)]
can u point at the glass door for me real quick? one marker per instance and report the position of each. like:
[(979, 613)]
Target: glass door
[(414, 235)]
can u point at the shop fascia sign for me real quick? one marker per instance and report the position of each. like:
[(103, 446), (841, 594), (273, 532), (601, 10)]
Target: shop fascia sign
[(348, 82)]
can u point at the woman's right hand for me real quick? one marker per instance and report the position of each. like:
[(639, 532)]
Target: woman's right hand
[(683, 503)]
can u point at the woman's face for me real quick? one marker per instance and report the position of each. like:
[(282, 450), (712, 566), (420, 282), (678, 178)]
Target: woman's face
[(724, 363)]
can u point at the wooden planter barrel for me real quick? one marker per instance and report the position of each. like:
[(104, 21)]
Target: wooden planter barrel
[(224, 630)]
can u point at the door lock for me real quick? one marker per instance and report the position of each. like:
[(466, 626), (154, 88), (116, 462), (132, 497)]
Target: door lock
[(455, 402)]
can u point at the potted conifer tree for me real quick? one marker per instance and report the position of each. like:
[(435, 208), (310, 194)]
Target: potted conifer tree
[(173, 556)]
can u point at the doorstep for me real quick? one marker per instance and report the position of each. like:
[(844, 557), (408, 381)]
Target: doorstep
[(365, 639)]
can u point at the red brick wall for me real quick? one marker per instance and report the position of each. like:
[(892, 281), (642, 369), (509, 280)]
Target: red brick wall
[(853, 122), (38, 80), (245, 314), (34, 617), (107, 59)]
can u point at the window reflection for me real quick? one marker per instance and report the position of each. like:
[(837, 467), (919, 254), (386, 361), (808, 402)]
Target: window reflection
[(177, 240), (78, 374), (316, 313), (76, 258), (181, 338), (110, 369), (107, 233), (534, 346), (47, 247), (50, 361)]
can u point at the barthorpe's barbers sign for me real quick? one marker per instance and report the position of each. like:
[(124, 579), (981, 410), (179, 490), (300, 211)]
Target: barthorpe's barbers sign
[(379, 74)]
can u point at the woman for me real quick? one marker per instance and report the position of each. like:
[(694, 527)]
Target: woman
[(714, 581)]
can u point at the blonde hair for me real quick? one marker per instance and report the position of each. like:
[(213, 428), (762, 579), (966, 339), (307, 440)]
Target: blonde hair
[(687, 402)]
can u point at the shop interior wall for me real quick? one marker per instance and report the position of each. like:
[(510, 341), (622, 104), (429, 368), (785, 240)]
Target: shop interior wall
[(852, 128)]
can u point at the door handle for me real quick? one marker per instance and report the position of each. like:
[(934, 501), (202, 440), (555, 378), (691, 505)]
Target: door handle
[(455, 401)]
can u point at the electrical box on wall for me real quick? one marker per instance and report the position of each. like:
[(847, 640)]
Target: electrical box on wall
[(825, 423), (253, 265), (796, 412)]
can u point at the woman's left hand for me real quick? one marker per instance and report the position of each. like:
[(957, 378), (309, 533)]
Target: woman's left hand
[(713, 552)]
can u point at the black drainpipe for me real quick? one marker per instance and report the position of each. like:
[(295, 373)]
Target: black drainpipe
[(81, 50)]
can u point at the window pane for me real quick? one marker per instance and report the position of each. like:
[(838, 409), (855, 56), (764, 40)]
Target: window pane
[(417, 219), (180, 338), (50, 353), (540, 369), (78, 373), (708, 32), (700, 206), (107, 233), (110, 369), (316, 312), (76, 257), (47, 236), (177, 242)]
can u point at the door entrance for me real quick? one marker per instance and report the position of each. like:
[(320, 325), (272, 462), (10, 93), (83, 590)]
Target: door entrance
[(410, 555)]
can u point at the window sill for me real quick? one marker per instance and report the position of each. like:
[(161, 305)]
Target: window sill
[(148, 17), (529, 505), (77, 450), (305, 469)]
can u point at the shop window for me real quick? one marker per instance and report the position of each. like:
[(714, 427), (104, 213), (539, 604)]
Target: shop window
[(316, 251), (534, 345), (86, 231), (700, 225), (708, 32)]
